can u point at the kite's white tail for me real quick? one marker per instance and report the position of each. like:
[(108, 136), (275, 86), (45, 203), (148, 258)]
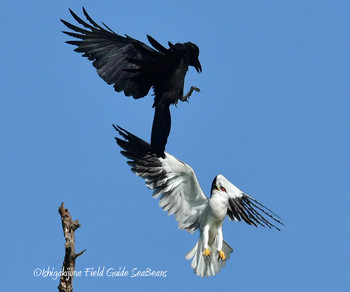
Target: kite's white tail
[(208, 266)]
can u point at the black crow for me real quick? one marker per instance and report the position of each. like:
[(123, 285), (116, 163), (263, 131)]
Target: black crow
[(133, 67)]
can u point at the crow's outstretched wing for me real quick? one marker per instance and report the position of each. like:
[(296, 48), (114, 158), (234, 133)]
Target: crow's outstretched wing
[(130, 65), (172, 181)]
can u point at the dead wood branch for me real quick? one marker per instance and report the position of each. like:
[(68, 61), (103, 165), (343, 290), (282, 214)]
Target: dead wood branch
[(69, 226)]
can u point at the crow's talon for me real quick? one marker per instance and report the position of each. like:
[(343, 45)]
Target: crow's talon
[(188, 95), (195, 88)]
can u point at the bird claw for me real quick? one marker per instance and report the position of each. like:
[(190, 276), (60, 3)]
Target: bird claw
[(188, 95), (221, 255), (195, 88), (184, 98), (206, 252)]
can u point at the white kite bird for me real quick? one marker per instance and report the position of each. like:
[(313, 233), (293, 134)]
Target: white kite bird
[(175, 184)]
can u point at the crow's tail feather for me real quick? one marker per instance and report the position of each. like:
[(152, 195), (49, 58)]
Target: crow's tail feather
[(160, 130)]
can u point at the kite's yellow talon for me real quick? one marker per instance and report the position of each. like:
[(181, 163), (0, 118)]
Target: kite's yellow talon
[(206, 252), (222, 255)]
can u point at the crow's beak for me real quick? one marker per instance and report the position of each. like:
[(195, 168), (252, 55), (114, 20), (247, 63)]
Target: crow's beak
[(198, 66)]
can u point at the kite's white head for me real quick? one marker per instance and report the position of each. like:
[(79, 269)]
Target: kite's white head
[(222, 186)]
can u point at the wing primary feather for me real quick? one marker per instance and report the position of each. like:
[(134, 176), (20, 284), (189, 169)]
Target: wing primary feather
[(262, 210), (248, 209), (252, 199), (74, 35), (240, 211), (130, 137), (256, 216), (73, 27), (90, 19), (253, 214), (108, 27), (171, 46), (251, 204), (79, 20), (156, 44)]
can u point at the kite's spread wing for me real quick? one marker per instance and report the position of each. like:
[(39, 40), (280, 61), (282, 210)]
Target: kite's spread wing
[(173, 182)]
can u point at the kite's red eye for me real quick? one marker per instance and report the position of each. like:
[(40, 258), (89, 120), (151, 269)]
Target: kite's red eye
[(223, 189)]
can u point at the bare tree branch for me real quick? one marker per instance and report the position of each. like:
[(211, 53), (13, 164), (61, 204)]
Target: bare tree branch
[(69, 226)]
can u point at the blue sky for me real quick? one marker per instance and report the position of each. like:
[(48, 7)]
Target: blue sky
[(272, 116)]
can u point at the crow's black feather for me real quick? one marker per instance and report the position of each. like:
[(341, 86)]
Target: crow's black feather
[(134, 68)]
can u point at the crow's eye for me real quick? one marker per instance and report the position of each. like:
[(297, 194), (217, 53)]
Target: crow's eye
[(223, 189)]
